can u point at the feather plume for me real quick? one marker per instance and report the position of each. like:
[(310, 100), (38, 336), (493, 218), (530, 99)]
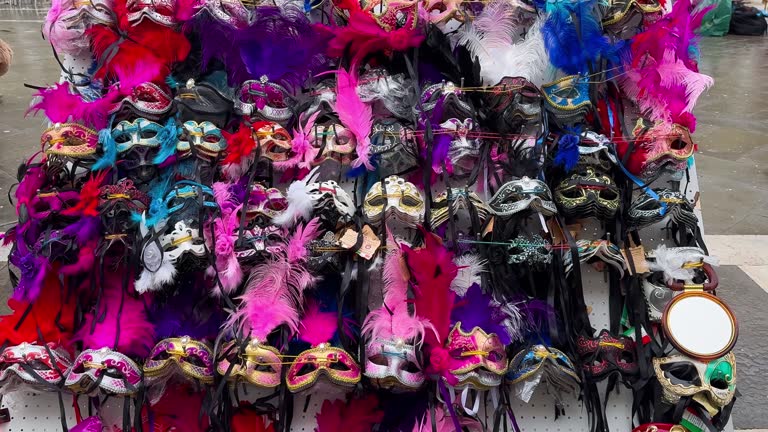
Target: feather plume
[(357, 415), (527, 58), (363, 36), (89, 197), (61, 106), (392, 319), (85, 230), (189, 312), (355, 115), (154, 281), (26, 319), (124, 326), (470, 270), (247, 419), (64, 36), (443, 423), (304, 153), (671, 261), (34, 270), (168, 137), (86, 257), (300, 205), (239, 153), (165, 414), (433, 270), (477, 309), (567, 152), (91, 424), (109, 149), (317, 326), (493, 28), (296, 249)]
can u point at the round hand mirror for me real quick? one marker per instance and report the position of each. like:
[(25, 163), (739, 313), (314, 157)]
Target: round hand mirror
[(700, 325)]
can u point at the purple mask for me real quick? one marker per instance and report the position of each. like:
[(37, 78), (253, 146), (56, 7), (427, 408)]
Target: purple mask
[(104, 370)]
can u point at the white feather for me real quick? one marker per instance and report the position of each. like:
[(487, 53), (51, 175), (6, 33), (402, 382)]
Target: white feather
[(671, 261), (144, 283), (527, 58), (471, 268), (299, 205), (165, 274)]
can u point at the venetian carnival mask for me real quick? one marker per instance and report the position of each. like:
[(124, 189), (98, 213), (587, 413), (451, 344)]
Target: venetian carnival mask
[(104, 370), (202, 102), (323, 360), (588, 194), (205, 137), (596, 151), (597, 251), (137, 133), (463, 151), (647, 210), (265, 204), (395, 147), (32, 366), (606, 355), (453, 102), (626, 17), (160, 11), (263, 99), (188, 357), (513, 103), (451, 201), (711, 384), (540, 364), (668, 151), (657, 297), (393, 365), (70, 140), (274, 140), (335, 142), (393, 14), (396, 198), (522, 194), (329, 197), (258, 364), (478, 359), (567, 99), (147, 100), (182, 239), (659, 427), (532, 250)]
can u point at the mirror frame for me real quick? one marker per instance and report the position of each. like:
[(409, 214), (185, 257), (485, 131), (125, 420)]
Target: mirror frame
[(682, 348)]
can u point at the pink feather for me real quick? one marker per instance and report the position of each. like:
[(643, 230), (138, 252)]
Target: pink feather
[(136, 335), (355, 115), (432, 269), (66, 36), (86, 257), (297, 245), (392, 319), (317, 327), (61, 106), (301, 145)]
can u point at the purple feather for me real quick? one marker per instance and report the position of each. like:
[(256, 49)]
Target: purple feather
[(84, 230), (190, 312), (33, 269), (282, 45), (477, 309), (536, 314)]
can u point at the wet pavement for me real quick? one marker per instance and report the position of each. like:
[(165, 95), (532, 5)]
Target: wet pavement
[(732, 164)]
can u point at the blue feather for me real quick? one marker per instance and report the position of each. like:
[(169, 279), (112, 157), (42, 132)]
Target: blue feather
[(171, 81), (157, 210), (573, 36), (108, 159), (169, 138), (567, 152)]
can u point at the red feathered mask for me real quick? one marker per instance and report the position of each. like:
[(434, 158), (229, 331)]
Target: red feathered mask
[(135, 54)]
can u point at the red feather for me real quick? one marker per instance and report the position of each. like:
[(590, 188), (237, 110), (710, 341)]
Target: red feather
[(89, 197), (246, 419), (177, 411), (52, 302), (358, 415), (433, 270)]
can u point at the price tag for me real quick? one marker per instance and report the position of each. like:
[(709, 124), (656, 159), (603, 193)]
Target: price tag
[(637, 254), (371, 242)]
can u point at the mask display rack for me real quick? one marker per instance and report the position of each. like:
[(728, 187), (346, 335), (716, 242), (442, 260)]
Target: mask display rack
[(40, 412)]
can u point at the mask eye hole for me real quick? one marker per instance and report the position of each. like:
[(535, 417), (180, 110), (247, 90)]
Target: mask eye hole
[(495, 356), (572, 193), (719, 383), (567, 93), (211, 139), (682, 372), (113, 372), (162, 355), (411, 367), (38, 365), (627, 357), (378, 359), (306, 369), (678, 144), (147, 134), (122, 138), (195, 360), (338, 365), (377, 201), (608, 194), (410, 201)]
